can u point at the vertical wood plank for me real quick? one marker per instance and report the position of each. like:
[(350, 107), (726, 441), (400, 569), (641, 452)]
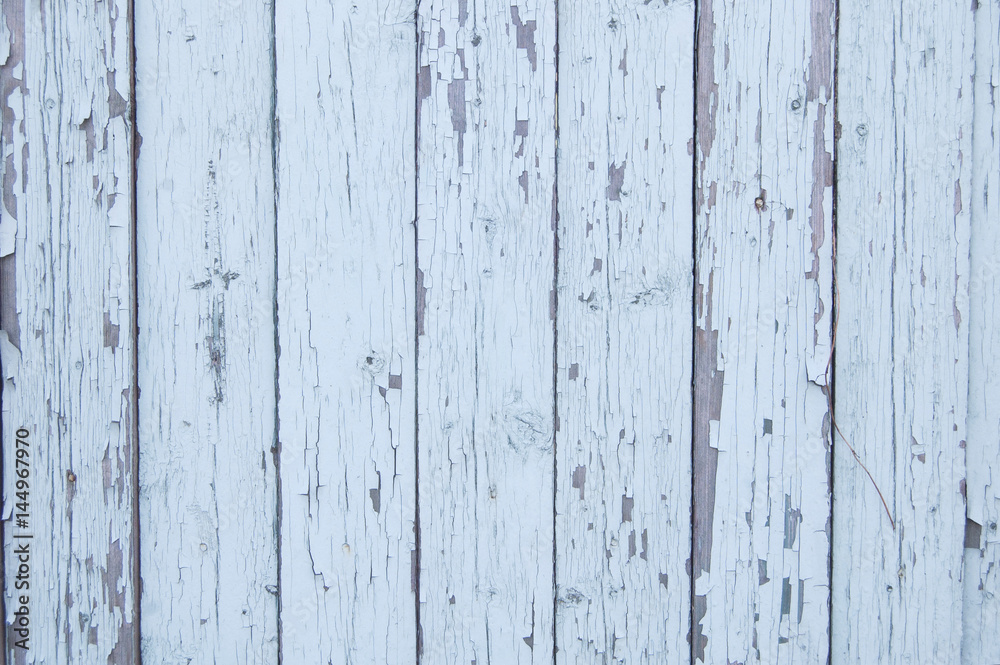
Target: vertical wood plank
[(763, 335), (485, 313), (66, 261), (206, 286), (865, 559), (626, 104), (67, 346), (346, 177), (903, 213), (981, 607)]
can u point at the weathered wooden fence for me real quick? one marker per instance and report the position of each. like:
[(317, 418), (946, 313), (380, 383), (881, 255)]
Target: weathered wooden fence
[(458, 331)]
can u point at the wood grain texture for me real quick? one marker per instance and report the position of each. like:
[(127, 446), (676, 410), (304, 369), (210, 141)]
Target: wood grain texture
[(68, 357), (485, 320), (762, 342), (626, 125), (903, 214), (981, 607), (346, 176), (502, 332), (206, 341)]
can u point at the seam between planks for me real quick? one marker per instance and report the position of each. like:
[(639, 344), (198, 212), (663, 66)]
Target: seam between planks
[(417, 283), (3, 528), (134, 392), (831, 370), (694, 321), (3, 523), (555, 352), (276, 441), (901, 214)]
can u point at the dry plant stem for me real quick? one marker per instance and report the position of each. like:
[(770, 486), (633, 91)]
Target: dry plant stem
[(829, 395)]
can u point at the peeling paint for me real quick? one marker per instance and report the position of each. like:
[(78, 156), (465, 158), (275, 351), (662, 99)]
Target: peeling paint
[(973, 534), (87, 126), (819, 85), (822, 182), (708, 86), (627, 504), (14, 182), (423, 84), (698, 636), (792, 519), (525, 35), (616, 178), (421, 302), (580, 479), (708, 407), (110, 332)]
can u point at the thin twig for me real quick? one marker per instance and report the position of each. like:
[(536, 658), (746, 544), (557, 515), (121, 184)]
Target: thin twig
[(829, 394)]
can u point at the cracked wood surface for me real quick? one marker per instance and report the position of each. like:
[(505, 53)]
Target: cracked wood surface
[(206, 253), (67, 347), (906, 100), (475, 291), (981, 606), (346, 177), (763, 305), (485, 312), (626, 125)]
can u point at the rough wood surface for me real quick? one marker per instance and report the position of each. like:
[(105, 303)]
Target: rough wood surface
[(903, 215), (65, 237), (206, 285), (624, 329), (763, 307), (485, 320), (345, 112), (447, 358), (981, 608)]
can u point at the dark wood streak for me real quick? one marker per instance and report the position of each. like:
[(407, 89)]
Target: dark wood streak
[(708, 380), (708, 384)]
